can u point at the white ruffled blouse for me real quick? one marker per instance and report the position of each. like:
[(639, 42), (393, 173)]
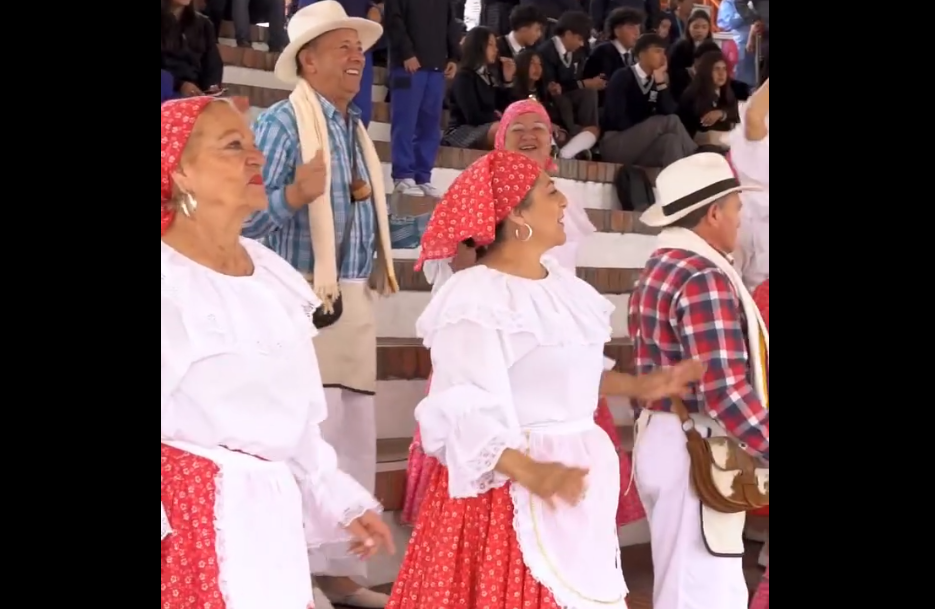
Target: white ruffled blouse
[(517, 364), (239, 371)]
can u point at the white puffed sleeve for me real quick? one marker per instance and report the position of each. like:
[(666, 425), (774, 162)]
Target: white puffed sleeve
[(332, 498), (468, 418), (750, 159)]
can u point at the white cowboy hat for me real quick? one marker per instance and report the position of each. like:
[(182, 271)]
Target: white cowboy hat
[(315, 20), (690, 184)]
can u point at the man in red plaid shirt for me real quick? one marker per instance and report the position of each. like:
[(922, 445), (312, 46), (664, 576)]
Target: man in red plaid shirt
[(690, 303)]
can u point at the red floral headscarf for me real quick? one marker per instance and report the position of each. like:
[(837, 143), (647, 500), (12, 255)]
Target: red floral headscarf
[(178, 121), (479, 199), (524, 106)]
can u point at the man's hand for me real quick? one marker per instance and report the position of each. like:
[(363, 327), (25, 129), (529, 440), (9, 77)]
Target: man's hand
[(598, 83), (554, 89), (190, 89), (451, 68), (310, 179), (412, 65), (661, 76), (374, 15)]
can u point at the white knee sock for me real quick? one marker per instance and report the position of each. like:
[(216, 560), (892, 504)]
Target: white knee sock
[(581, 142)]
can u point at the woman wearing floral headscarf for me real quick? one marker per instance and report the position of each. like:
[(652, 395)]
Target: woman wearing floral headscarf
[(521, 513), (527, 129), (247, 481)]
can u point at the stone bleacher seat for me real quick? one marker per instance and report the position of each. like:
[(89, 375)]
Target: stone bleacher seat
[(610, 260)]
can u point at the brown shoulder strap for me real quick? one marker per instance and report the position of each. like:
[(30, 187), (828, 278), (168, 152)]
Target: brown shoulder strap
[(678, 407)]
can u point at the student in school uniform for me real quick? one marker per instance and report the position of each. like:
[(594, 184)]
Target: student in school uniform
[(709, 109), (526, 24), (563, 57), (681, 77), (624, 26), (682, 54), (642, 126), (424, 44), (478, 97)]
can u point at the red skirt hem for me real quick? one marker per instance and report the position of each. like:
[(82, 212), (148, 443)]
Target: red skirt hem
[(464, 553)]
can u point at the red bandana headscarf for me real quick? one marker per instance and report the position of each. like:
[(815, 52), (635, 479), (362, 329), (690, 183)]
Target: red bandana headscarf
[(178, 121), (525, 106), (479, 199)]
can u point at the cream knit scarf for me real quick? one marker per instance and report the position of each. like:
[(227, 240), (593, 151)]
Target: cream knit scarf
[(313, 130)]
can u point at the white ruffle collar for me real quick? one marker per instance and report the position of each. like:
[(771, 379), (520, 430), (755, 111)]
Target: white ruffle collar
[(560, 309)]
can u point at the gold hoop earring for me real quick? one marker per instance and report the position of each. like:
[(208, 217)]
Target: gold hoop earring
[(528, 235), (188, 205)]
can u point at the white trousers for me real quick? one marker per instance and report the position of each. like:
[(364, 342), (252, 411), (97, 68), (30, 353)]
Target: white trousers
[(351, 428), (687, 576)]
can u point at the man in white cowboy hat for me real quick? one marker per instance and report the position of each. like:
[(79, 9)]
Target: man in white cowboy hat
[(328, 217), (690, 303)]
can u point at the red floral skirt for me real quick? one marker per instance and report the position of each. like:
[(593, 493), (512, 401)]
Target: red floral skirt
[(464, 553), (421, 468), (190, 570)]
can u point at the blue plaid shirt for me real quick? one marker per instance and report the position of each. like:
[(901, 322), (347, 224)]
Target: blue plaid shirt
[(288, 233)]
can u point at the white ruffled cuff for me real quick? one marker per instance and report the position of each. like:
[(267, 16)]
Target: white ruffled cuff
[(331, 505), (475, 476)]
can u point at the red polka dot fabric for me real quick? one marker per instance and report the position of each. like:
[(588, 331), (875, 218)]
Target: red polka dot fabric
[(190, 570), (479, 199), (464, 553)]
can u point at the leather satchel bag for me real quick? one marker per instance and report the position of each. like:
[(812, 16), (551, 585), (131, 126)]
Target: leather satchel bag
[(725, 477)]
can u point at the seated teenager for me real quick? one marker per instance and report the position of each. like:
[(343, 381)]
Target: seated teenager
[(708, 108), (528, 83), (624, 26), (525, 31), (680, 78), (576, 97), (190, 49), (641, 126), (478, 97), (682, 54), (663, 26)]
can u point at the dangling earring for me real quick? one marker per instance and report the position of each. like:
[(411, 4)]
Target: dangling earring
[(528, 235), (188, 205)]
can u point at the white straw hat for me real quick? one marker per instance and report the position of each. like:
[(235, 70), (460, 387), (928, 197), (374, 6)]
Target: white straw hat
[(315, 20), (690, 184)]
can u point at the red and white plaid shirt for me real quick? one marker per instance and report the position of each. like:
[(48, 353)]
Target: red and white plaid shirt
[(685, 307)]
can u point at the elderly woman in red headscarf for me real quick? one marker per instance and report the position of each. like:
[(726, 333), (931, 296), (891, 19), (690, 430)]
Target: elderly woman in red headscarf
[(248, 484), (525, 128), (520, 515)]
